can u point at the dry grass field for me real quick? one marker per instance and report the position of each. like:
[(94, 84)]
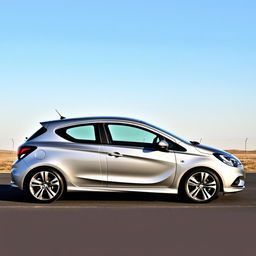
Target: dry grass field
[(249, 159), (7, 157)]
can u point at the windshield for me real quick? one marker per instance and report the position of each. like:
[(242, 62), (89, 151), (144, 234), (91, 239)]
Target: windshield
[(173, 135)]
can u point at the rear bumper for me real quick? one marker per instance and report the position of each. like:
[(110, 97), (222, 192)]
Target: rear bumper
[(18, 173), (13, 184), (14, 181)]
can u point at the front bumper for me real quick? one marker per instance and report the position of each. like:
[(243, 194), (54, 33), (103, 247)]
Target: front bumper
[(234, 180)]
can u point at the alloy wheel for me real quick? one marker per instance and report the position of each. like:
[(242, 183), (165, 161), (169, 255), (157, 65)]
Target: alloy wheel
[(201, 186), (44, 185)]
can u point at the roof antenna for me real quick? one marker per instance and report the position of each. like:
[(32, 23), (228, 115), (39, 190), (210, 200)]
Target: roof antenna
[(61, 117)]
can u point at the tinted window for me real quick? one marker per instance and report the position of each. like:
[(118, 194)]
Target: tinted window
[(175, 146), (125, 133), (81, 133), (134, 136)]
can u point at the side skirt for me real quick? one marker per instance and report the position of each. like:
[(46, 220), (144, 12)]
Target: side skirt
[(115, 189)]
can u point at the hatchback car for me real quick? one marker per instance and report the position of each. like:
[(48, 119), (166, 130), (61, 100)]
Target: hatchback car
[(120, 155)]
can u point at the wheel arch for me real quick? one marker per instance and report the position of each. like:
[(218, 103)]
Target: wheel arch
[(33, 170), (185, 174)]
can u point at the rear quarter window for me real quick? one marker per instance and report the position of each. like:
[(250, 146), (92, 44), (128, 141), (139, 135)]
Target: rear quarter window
[(81, 133)]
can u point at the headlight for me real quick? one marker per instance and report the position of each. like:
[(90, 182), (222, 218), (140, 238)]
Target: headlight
[(228, 159)]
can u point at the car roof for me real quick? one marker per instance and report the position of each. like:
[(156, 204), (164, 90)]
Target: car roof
[(92, 118)]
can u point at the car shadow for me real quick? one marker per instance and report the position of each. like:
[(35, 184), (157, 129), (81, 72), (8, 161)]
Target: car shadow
[(8, 193), (122, 196)]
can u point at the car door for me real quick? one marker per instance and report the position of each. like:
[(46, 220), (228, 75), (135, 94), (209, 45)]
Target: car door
[(80, 156), (134, 158)]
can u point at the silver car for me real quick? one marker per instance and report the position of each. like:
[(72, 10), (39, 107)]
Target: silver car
[(114, 154)]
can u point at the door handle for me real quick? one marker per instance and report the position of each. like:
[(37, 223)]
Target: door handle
[(115, 154)]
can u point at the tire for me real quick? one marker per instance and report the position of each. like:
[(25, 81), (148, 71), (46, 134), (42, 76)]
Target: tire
[(44, 185), (200, 186)]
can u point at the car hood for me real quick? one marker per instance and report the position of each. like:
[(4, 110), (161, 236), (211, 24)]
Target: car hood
[(208, 150)]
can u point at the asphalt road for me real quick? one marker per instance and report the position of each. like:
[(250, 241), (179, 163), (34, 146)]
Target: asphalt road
[(127, 224)]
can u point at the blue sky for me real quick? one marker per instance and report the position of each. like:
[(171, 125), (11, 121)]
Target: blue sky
[(187, 66)]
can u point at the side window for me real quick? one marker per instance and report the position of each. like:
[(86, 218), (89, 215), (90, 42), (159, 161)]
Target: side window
[(121, 134), (125, 134), (175, 146), (82, 133)]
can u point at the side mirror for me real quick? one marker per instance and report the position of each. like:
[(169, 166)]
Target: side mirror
[(163, 144)]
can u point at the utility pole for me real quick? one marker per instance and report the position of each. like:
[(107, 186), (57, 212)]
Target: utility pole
[(12, 144), (245, 145)]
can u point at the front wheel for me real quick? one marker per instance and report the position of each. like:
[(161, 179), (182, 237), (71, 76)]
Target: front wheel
[(45, 185), (201, 186)]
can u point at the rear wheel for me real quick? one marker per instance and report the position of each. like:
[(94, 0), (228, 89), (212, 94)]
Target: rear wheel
[(45, 185), (201, 186)]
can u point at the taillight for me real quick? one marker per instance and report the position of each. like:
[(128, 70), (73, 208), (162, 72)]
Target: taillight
[(24, 151)]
